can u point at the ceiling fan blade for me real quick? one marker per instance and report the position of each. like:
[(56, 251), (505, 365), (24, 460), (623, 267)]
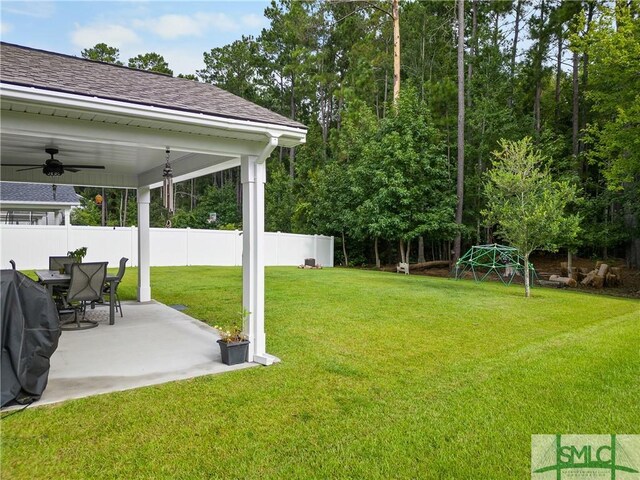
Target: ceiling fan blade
[(100, 167), (30, 168), (72, 170), (20, 165)]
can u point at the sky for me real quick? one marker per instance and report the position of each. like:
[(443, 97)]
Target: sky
[(180, 31)]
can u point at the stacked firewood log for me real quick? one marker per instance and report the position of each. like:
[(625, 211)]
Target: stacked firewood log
[(601, 276)]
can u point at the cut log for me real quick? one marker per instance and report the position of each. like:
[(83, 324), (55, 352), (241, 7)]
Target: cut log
[(569, 282), (602, 271), (611, 280), (589, 278), (433, 264), (615, 271), (598, 281), (598, 263)]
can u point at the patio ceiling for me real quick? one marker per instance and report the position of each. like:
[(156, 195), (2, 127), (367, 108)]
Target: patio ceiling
[(129, 140)]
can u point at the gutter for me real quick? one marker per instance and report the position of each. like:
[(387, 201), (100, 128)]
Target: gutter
[(41, 97)]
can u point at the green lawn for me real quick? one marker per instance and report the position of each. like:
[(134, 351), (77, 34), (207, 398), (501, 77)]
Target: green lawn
[(383, 376)]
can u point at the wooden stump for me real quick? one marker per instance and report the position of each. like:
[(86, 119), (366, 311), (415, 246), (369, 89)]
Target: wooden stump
[(598, 281), (611, 280), (589, 278), (602, 271)]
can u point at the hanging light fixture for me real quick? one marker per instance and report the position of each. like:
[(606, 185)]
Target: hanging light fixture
[(167, 184)]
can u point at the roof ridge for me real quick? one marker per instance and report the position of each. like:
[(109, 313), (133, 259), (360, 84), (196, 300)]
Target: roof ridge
[(83, 59)]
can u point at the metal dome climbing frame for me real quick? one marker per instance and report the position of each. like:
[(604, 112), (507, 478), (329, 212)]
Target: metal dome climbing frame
[(483, 260)]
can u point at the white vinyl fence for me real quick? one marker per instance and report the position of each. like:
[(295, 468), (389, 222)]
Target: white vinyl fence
[(31, 245)]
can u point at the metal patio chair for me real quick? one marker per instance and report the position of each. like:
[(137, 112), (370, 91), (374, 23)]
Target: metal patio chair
[(112, 288), (58, 263), (86, 284)]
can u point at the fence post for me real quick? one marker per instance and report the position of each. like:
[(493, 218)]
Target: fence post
[(67, 224), (236, 240), (188, 240), (315, 247), (133, 246), (331, 252)]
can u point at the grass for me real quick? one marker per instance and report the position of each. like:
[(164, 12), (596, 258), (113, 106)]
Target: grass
[(383, 376)]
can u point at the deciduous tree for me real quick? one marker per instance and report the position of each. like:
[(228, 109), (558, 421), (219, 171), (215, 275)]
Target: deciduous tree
[(526, 203)]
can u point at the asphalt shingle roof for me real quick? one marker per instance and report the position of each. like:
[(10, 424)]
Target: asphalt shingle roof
[(64, 73), (36, 192)]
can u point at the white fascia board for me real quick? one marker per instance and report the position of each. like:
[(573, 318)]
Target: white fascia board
[(22, 204), (288, 136)]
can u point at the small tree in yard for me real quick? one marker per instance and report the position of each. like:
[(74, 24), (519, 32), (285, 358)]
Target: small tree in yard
[(526, 203)]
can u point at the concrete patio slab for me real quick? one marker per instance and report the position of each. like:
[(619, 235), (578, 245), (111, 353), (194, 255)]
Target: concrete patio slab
[(152, 344)]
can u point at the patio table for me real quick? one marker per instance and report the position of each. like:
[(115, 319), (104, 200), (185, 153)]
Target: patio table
[(51, 278)]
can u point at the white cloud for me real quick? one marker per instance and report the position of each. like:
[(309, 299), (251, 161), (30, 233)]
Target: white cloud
[(5, 28), (172, 26), (184, 60), (113, 35), (254, 21), (30, 9)]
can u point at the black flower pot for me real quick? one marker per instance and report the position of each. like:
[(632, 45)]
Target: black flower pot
[(234, 353)]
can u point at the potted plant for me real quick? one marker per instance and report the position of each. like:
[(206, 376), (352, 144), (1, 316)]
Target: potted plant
[(234, 344), (78, 255)]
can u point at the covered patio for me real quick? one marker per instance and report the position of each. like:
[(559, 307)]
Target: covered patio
[(99, 114), (154, 344)]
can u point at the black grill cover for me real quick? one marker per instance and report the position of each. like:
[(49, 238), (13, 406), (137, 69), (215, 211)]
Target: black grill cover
[(30, 331)]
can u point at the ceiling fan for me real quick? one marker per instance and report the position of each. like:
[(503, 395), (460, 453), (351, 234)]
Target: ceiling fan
[(53, 167)]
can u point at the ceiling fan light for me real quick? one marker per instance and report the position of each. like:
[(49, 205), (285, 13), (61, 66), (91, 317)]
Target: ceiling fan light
[(53, 170)]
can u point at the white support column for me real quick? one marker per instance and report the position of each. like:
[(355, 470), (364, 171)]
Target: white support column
[(253, 179), (144, 245)]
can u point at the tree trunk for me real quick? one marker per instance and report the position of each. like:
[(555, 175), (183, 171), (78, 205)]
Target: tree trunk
[(631, 222), (121, 209), (575, 115), (401, 244), (103, 212), (408, 252), (527, 288), (126, 204), (585, 64), (474, 49), (514, 50), (558, 73), (344, 250), (292, 162), (192, 198), (537, 114), (292, 150), (375, 247), (460, 180), (421, 258), (396, 51)]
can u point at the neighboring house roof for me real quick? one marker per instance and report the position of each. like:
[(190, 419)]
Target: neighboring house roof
[(64, 73), (37, 194)]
